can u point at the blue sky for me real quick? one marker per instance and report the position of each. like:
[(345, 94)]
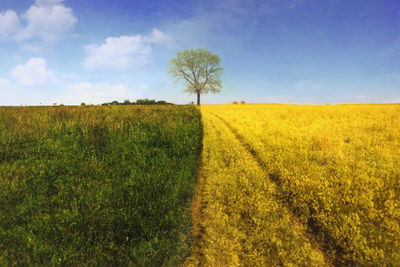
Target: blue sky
[(287, 51)]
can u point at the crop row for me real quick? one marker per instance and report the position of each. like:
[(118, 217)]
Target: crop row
[(238, 220), (338, 169)]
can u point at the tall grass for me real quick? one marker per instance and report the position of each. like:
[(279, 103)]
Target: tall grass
[(97, 185)]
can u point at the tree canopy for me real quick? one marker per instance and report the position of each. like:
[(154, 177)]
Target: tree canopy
[(199, 69), (138, 102)]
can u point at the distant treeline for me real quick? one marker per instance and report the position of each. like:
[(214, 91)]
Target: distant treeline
[(138, 102)]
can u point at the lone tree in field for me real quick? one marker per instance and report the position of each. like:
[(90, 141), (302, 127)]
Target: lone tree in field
[(199, 69)]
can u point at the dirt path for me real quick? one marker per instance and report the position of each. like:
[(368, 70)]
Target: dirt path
[(237, 219), (198, 206)]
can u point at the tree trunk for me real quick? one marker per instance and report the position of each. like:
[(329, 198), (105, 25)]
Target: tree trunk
[(198, 98)]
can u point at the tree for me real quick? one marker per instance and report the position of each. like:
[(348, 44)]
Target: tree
[(199, 69)]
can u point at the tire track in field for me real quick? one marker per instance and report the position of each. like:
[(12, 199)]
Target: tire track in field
[(310, 233), (199, 204)]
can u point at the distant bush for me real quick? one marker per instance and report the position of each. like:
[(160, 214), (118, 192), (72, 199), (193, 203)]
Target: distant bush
[(138, 102)]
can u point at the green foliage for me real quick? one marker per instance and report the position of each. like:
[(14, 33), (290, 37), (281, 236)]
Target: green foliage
[(199, 69), (138, 102), (97, 185)]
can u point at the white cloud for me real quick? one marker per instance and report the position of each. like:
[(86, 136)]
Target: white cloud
[(34, 72), (97, 93), (47, 20), (157, 36), (124, 51), (9, 25), (118, 53)]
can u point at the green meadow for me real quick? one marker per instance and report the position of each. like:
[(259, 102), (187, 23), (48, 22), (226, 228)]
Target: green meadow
[(97, 185)]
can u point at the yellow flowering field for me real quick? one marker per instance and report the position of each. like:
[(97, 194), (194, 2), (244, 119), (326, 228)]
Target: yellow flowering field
[(298, 185)]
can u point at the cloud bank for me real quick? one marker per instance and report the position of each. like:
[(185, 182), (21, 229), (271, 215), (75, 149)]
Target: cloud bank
[(47, 20), (124, 51), (33, 73), (9, 25)]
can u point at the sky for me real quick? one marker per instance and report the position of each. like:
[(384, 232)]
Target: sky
[(272, 51)]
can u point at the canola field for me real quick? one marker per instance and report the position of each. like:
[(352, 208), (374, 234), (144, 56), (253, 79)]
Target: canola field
[(298, 185)]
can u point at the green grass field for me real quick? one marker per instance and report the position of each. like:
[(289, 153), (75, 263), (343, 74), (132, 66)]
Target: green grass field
[(97, 185)]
